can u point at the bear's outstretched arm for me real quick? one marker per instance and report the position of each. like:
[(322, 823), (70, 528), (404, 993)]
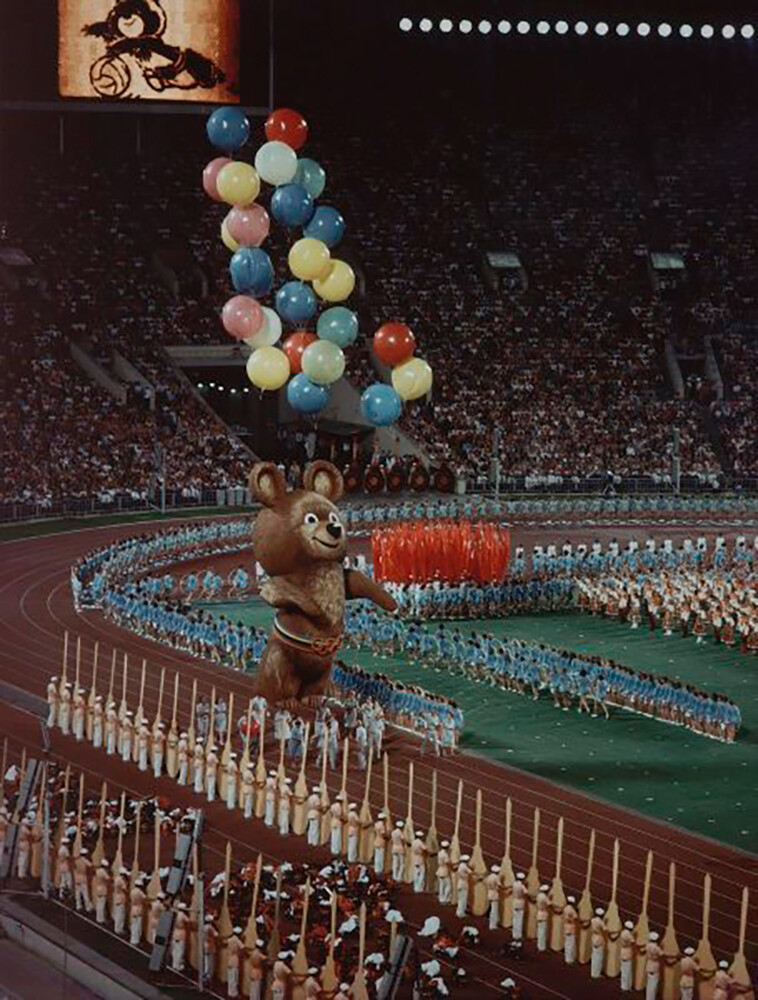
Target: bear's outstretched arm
[(280, 593), (358, 585)]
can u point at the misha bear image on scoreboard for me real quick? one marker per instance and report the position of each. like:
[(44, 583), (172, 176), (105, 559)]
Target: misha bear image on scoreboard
[(164, 50)]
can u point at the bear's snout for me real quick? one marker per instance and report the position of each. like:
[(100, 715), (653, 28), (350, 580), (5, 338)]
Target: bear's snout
[(335, 530)]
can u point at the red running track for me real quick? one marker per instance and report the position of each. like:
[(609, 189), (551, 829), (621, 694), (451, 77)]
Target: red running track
[(36, 608)]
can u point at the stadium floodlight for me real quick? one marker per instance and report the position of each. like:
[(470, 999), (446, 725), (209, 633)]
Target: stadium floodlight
[(686, 31), (543, 28), (503, 27), (581, 27), (561, 27), (425, 24), (523, 27), (601, 28), (200, 385), (233, 391), (485, 27), (664, 30), (465, 26), (747, 31), (728, 31), (622, 29), (706, 31), (446, 25), (211, 385), (405, 24), (643, 29)]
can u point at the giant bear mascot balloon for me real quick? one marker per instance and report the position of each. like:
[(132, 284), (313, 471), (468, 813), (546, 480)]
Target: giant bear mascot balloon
[(300, 542)]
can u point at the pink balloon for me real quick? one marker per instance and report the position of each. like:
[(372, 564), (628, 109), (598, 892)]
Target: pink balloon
[(249, 226), (242, 317), (210, 173)]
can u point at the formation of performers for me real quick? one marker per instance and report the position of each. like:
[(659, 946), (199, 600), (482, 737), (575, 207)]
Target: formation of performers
[(437, 718), (233, 943), (592, 684), (368, 516), (468, 599), (707, 604), (92, 574), (268, 929), (583, 560)]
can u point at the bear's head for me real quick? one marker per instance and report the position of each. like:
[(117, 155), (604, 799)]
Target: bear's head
[(297, 527)]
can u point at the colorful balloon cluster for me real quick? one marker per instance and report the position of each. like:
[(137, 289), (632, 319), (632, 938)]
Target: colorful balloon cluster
[(309, 363), (394, 345)]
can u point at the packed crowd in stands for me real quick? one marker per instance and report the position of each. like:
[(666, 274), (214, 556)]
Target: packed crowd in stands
[(567, 364), (737, 413)]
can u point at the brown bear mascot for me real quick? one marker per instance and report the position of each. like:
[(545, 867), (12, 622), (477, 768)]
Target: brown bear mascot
[(300, 541)]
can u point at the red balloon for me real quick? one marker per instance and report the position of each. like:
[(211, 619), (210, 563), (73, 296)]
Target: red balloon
[(294, 346), (287, 126), (394, 343)]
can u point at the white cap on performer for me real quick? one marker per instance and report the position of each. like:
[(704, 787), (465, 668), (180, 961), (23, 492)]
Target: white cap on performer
[(629, 925), (445, 843), (653, 936), (571, 899), (495, 869), (521, 876), (399, 824), (689, 951), (544, 888), (599, 912)]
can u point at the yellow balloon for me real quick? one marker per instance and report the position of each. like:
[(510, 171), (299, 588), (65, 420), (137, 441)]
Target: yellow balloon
[(337, 283), (268, 368), (229, 241), (412, 379), (238, 183), (309, 259)]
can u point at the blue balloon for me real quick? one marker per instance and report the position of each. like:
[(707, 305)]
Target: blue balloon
[(296, 302), (338, 324), (252, 271), (326, 225), (381, 405), (311, 176), (291, 205), (228, 129), (305, 396)]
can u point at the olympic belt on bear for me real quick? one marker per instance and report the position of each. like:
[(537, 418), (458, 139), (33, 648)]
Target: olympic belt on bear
[(318, 646)]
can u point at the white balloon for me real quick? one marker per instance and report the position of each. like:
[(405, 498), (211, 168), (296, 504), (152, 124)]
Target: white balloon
[(276, 162), (270, 331)]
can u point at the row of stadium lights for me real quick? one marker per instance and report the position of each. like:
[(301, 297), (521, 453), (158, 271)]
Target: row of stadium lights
[(601, 28), (220, 388)]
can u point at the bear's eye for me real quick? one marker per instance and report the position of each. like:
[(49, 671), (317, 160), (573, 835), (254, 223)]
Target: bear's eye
[(310, 519), (333, 518)]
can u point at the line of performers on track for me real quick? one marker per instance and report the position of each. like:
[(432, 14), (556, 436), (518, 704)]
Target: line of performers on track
[(371, 859), (591, 683), (94, 572)]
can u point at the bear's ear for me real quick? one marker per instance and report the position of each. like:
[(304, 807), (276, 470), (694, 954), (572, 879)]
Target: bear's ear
[(325, 479), (267, 483)]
